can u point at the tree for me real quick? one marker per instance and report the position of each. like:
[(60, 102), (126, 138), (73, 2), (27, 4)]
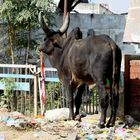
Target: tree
[(20, 19), (70, 4)]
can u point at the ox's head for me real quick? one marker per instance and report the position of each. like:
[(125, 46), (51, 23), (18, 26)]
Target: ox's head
[(52, 38)]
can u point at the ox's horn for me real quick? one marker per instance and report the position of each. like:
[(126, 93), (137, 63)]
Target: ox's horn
[(44, 25), (65, 25)]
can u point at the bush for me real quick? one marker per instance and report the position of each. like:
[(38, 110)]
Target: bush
[(7, 95), (54, 95)]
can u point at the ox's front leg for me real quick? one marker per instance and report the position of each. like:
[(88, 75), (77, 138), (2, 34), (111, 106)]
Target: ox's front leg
[(69, 100), (104, 101)]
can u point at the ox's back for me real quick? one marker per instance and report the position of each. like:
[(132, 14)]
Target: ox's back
[(91, 57)]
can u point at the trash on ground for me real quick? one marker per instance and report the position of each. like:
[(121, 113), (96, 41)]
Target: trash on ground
[(120, 134), (57, 114), (55, 123), (2, 137)]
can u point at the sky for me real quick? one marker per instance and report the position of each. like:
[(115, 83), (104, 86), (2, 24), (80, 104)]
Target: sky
[(117, 6)]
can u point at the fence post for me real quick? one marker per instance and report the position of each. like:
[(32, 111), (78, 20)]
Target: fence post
[(35, 92)]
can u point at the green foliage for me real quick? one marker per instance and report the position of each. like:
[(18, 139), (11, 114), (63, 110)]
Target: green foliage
[(95, 96), (7, 95), (24, 11), (20, 17), (43, 4), (24, 15), (54, 96), (6, 8)]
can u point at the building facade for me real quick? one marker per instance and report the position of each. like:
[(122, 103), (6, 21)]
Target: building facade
[(92, 8)]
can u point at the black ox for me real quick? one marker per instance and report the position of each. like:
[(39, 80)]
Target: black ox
[(84, 61)]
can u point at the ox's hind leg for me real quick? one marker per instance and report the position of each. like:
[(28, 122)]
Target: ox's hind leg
[(78, 99), (104, 101), (114, 101)]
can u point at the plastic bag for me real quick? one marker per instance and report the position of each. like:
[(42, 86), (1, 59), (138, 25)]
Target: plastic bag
[(57, 114)]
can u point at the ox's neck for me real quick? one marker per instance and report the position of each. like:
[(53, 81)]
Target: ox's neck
[(55, 58), (59, 60)]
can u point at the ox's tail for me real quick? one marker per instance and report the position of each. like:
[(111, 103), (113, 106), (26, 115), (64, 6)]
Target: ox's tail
[(117, 56), (114, 65)]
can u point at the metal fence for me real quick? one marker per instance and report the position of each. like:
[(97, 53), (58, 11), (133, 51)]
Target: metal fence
[(90, 101), (18, 87), (25, 92)]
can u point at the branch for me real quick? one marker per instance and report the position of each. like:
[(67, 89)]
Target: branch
[(70, 6)]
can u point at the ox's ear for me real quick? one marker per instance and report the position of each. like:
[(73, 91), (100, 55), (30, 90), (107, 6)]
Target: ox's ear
[(65, 25), (44, 25)]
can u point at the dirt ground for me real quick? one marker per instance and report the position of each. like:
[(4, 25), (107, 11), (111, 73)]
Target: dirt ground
[(40, 129), (7, 133), (15, 133), (12, 133)]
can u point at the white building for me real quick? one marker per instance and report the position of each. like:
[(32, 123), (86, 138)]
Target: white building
[(90, 7)]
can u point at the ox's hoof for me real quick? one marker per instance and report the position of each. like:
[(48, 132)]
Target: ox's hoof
[(71, 117), (101, 125), (77, 118), (110, 125)]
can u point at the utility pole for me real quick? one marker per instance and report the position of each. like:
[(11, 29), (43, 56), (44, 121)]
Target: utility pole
[(65, 7), (65, 13)]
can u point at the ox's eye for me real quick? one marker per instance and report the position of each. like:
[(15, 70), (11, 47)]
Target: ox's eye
[(45, 39), (53, 40)]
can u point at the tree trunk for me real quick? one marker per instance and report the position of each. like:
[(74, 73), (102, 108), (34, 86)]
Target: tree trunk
[(11, 40), (12, 51), (29, 41)]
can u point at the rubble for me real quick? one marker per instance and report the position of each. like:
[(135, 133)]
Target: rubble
[(61, 129)]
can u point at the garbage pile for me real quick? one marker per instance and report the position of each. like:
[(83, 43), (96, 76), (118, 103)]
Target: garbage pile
[(54, 123), (16, 120)]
